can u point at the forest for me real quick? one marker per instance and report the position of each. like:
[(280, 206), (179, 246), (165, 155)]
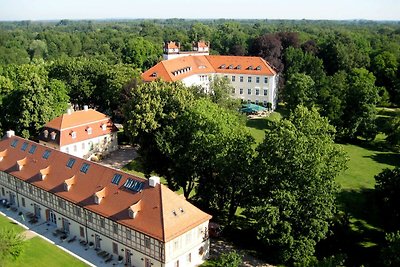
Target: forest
[(334, 78)]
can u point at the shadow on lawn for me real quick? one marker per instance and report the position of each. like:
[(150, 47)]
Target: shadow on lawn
[(359, 233), (388, 158)]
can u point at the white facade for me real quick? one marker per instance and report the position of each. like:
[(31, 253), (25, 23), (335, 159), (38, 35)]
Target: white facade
[(258, 89), (84, 149)]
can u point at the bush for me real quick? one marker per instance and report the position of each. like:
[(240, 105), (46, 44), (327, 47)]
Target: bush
[(231, 259)]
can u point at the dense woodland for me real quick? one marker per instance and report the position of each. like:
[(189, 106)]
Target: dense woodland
[(333, 76)]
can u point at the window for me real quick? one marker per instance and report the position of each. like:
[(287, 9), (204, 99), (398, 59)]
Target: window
[(67, 149), (102, 222), (104, 126), (257, 79), (82, 231), (115, 248), (32, 149), (128, 234), (45, 196), (241, 79), (115, 228), (233, 78), (117, 177), (30, 189), (256, 101), (46, 154), (257, 91), (90, 217), (73, 134), (233, 91), (189, 257), (77, 211), (249, 91), (2, 191), (85, 167), (61, 203), (226, 77), (241, 91), (89, 130), (249, 79), (14, 143), (265, 102), (24, 146), (265, 79), (70, 163), (23, 202), (265, 92), (147, 242)]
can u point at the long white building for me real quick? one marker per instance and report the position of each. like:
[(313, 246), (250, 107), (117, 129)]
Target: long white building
[(252, 78), (141, 221)]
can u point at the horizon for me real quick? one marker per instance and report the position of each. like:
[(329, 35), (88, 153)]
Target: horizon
[(340, 10)]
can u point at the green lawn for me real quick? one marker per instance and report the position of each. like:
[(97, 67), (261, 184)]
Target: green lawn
[(258, 126), (38, 252)]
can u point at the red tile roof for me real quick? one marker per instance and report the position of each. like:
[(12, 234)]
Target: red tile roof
[(207, 65), (155, 218), (78, 122)]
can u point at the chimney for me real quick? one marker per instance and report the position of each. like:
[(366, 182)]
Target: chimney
[(85, 107), (154, 180), (10, 133)]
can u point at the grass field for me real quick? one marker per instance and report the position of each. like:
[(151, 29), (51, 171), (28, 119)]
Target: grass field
[(38, 252)]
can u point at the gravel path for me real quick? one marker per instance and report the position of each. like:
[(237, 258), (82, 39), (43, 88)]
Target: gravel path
[(119, 158)]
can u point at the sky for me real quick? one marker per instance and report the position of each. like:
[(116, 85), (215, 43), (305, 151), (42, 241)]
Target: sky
[(200, 9)]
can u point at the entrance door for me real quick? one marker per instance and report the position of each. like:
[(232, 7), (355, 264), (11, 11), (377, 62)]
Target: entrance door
[(96, 241), (37, 210), (65, 225), (52, 217), (128, 257), (12, 198)]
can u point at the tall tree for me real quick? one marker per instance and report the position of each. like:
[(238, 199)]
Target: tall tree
[(11, 245), (300, 90), (294, 197)]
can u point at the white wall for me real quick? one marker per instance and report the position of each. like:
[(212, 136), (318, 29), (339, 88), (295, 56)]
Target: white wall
[(87, 147)]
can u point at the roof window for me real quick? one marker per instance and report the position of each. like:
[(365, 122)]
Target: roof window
[(85, 167), (24, 146), (14, 143), (46, 154), (32, 149), (70, 163), (117, 177)]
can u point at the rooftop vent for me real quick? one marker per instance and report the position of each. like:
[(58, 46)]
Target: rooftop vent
[(10, 133), (154, 180)]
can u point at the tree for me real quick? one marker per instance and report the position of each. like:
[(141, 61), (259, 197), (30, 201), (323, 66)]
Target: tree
[(231, 259), (153, 107), (393, 132), (221, 93), (388, 192), (299, 90), (390, 254), (11, 245), (294, 188), (360, 113)]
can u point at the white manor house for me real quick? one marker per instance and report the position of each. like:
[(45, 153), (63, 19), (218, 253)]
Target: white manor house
[(139, 221), (253, 79)]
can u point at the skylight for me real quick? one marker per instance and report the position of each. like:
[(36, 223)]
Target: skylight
[(85, 167), (46, 154), (32, 149), (24, 146), (70, 163), (133, 185), (14, 143), (117, 177)]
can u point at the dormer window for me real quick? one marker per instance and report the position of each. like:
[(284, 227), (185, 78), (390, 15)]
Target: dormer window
[(89, 130), (99, 195), (73, 135), (230, 66), (154, 74), (250, 67), (104, 126), (53, 135), (239, 67), (258, 67), (223, 66), (134, 209), (46, 133)]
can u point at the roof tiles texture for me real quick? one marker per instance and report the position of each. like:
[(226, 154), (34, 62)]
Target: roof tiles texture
[(155, 218), (78, 122), (207, 65)]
